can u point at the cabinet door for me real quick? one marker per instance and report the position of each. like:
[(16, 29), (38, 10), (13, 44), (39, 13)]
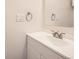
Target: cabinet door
[(37, 50), (32, 53), (44, 51)]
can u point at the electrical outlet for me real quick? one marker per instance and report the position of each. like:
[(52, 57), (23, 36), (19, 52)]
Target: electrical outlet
[(20, 18)]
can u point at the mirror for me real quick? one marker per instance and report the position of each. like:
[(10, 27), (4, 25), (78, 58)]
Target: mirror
[(59, 13)]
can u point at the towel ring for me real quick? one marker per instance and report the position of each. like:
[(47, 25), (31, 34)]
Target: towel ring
[(28, 16), (53, 17)]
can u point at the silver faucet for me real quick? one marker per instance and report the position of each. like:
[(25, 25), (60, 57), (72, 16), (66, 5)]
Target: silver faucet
[(58, 35)]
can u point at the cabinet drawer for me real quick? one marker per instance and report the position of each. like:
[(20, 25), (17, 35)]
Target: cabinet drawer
[(45, 52)]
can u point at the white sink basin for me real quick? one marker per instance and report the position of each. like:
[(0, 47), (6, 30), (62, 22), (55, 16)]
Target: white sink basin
[(59, 42), (48, 37)]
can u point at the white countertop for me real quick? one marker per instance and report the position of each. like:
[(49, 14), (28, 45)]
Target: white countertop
[(68, 30), (65, 50)]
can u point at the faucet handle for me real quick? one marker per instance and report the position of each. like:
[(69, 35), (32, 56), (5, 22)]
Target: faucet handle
[(61, 35), (56, 34)]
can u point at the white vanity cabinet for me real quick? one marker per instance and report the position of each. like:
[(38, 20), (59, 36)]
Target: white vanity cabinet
[(36, 50)]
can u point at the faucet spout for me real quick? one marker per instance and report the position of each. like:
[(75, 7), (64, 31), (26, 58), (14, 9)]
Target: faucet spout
[(61, 35), (58, 35)]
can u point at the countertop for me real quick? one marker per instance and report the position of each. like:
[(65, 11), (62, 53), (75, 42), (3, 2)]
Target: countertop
[(67, 51)]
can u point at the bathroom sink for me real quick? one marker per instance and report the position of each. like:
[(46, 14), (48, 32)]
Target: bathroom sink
[(48, 37), (59, 42)]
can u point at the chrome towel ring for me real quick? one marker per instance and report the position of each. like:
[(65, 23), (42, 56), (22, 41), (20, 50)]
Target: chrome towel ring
[(29, 16), (53, 16)]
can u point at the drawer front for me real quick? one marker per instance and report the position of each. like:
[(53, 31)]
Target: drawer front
[(44, 52)]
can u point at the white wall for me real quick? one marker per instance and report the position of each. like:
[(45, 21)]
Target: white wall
[(16, 31), (63, 11)]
